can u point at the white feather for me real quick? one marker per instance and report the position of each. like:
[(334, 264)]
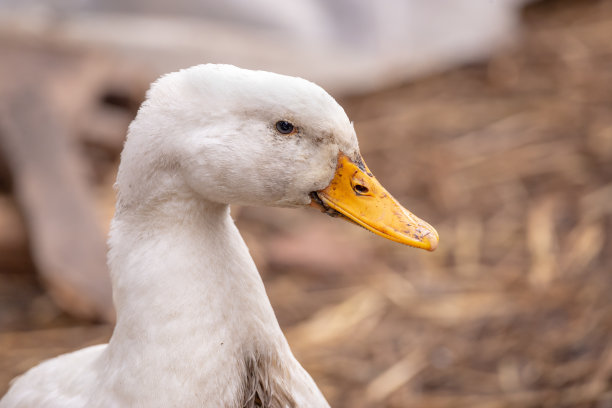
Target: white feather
[(193, 317)]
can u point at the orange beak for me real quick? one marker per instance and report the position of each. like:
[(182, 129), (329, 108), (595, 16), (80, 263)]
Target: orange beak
[(355, 194)]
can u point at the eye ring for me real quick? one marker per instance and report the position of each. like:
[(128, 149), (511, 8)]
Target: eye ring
[(284, 127)]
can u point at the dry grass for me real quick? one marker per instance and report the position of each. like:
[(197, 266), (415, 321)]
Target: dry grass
[(512, 161)]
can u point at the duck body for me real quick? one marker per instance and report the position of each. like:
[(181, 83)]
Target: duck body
[(194, 325)]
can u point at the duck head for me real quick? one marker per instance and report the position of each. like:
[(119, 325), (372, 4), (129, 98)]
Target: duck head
[(231, 135)]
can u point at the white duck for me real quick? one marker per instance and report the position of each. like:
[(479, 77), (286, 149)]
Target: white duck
[(194, 324)]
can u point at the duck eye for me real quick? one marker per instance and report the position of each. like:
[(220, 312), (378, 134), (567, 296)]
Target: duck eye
[(284, 127)]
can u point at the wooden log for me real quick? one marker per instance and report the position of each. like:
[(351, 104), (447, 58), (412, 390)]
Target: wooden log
[(13, 237), (50, 185)]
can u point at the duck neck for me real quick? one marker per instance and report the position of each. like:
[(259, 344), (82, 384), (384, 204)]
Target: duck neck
[(192, 308), (183, 273)]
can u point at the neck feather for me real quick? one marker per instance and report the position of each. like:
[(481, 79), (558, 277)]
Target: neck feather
[(186, 264), (189, 300), (191, 304)]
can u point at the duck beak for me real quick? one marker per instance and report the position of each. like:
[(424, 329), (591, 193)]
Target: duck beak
[(356, 195)]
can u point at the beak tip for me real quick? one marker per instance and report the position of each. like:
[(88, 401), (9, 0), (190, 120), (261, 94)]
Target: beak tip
[(430, 239), (433, 244)]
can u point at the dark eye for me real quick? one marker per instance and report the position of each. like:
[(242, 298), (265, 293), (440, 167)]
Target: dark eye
[(284, 127)]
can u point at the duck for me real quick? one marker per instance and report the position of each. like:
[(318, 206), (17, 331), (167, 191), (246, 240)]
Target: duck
[(194, 325)]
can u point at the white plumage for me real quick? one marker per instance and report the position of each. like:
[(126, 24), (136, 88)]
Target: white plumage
[(192, 311), (194, 324)]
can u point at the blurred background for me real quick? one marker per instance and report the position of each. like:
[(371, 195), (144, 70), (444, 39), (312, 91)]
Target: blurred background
[(491, 119)]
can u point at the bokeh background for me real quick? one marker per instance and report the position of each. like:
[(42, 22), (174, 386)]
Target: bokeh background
[(493, 122)]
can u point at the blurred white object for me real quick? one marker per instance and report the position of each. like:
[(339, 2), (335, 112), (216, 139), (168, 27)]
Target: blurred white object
[(348, 46)]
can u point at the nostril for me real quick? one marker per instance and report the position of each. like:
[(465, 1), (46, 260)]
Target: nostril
[(361, 189)]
